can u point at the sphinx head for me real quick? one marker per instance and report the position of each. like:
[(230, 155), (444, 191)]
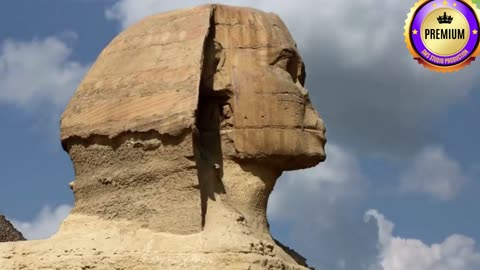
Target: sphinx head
[(155, 76), (174, 102)]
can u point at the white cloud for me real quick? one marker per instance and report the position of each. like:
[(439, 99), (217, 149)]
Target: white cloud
[(38, 71), (434, 173), (333, 182), (128, 12), (456, 252), (371, 93), (45, 224), (318, 206)]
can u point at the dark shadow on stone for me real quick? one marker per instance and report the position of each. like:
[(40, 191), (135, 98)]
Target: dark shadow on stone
[(207, 145), (208, 151)]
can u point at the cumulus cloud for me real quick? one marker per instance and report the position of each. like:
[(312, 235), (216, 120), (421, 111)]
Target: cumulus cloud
[(432, 172), (333, 182), (45, 224), (128, 12), (456, 252), (370, 92), (318, 205), (38, 71)]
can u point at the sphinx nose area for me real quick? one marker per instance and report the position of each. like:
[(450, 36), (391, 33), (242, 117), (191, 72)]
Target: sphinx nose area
[(321, 125), (312, 121)]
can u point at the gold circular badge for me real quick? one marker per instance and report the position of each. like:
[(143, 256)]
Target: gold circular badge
[(443, 35), (436, 41)]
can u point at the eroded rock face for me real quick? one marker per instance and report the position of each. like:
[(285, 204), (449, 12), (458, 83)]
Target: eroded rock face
[(8, 233), (178, 134)]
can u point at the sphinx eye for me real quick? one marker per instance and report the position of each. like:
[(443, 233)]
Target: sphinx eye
[(288, 61)]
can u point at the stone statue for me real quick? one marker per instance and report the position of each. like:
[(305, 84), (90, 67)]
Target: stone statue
[(8, 233), (177, 135)]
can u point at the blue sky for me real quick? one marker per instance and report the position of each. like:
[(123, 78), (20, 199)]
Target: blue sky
[(402, 140)]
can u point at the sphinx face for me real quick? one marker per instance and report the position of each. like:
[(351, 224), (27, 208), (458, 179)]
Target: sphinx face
[(273, 118)]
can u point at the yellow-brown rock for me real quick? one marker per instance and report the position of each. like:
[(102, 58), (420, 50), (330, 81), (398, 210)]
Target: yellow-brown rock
[(178, 134)]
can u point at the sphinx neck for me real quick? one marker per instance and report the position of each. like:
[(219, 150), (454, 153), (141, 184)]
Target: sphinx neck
[(239, 198), (164, 186), (147, 179)]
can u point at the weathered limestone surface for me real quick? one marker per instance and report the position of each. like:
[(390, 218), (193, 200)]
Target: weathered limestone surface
[(8, 233), (146, 79), (178, 134)]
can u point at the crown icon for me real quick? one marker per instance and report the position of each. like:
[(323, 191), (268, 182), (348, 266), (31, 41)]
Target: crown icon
[(444, 19)]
